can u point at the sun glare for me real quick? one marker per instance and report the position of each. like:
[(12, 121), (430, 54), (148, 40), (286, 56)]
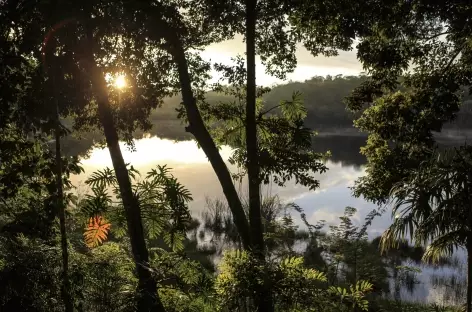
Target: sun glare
[(120, 82)]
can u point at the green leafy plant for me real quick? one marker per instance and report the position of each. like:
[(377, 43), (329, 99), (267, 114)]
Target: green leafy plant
[(295, 287), (161, 198)]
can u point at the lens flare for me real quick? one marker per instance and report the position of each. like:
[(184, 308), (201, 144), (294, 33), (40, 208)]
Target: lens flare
[(120, 82)]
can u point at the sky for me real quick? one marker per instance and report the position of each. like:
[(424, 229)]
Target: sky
[(345, 63)]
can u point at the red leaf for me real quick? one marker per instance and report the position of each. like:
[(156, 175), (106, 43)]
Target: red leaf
[(96, 231)]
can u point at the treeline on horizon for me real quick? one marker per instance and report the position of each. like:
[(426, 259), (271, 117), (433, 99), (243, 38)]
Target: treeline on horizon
[(323, 98)]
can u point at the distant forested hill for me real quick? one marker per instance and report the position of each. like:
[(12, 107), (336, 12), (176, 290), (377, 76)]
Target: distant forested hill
[(323, 97)]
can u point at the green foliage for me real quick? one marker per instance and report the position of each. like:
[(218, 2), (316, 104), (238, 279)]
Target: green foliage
[(100, 179), (295, 287), (104, 279), (18, 150), (414, 84), (29, 264), (285, 143), (351, 257), (418, 66), (430, 207), (355, 294), (176, 301), (162, 199), (183, 283), (275, 45)]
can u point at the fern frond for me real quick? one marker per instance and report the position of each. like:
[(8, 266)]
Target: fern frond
[(174, 241), (102, 178), (96, 231), (154, 219), (160, 172), (117, 217)]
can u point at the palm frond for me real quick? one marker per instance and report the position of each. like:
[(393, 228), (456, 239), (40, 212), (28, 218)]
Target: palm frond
[(432, 204), (444, 245), (116, 216), (132, 172), (154, 219), (164, 204)]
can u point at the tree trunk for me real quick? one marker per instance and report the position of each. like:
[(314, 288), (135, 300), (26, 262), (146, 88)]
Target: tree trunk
[(198, 129), (469, 273), (65, 289), (60, 205), (148, 298), (197, 126), (263, 295), (251, 133)]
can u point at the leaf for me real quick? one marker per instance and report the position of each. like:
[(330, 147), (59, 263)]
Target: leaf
[(96, 231), (102, 178), (174, 241), (294, 109), (132, 172), (96, 204)]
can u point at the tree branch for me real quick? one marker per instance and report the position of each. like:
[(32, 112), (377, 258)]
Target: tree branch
[(436, 35), (269, 110), (454, 57)]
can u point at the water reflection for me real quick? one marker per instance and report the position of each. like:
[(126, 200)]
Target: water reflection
[(344, 149), (449, 287), (191, 167)]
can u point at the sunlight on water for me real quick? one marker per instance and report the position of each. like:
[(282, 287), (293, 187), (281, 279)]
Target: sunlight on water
[(154, 150), (191, 167), (188, 164)]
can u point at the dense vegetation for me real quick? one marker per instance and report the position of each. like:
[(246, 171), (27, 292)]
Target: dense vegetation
[(77, 72)]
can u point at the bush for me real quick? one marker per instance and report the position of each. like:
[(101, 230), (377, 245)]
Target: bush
[(295, 287)]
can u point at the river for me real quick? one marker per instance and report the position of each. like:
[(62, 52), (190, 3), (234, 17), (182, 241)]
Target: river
[(190, 165)]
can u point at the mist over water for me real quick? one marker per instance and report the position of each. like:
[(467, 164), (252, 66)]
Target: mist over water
[(191, 167)]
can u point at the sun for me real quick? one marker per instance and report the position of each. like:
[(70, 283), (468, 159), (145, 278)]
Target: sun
[(120, 81)]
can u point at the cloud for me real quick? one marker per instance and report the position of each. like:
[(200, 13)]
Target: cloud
[(345, 63)]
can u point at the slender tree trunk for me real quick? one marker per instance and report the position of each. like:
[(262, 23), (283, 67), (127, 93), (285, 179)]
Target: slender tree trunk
[(255, 220), (263, 293), (148, 298), (198, 129), (469, 273), (60, 204), (355, 262), (65, 289)]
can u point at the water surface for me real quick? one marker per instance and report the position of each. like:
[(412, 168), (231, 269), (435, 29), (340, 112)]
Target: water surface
[(190, 165)]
